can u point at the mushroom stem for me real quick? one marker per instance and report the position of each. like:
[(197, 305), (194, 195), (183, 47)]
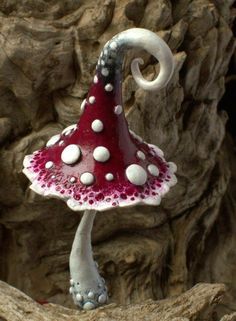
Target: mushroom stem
[(87, 287)]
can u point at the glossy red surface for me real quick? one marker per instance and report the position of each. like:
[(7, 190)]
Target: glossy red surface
[(123, 147)]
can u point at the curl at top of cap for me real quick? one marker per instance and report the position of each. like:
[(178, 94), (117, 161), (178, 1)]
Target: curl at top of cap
[(99, 163)]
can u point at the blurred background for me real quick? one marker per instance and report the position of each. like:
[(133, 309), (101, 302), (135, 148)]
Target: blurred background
[(48, 54)]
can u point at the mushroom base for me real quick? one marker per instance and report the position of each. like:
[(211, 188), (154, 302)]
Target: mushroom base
[(87, 286)]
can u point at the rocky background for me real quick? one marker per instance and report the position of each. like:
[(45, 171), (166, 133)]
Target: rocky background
[(48, 53)]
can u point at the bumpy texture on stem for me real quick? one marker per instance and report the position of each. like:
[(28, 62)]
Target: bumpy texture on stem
[(146, 40), (87, 287)]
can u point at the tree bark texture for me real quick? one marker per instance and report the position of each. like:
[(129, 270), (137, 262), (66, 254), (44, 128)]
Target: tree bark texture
[(48, 53), (199, 303)]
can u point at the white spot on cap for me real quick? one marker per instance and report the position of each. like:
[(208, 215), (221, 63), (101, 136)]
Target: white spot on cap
[(136, 136), (72, 179), (92, 99), (79, 297), (53, 140), (153, 169), (136, 174), (95, 79), (113, 45), (69, 129), (89, 306), (70, 154), (90, 295), (53, 176), (87, 178), (61, 142), (102, 62), (141, 155), (102, 298), (105, 72), (83, 104), (97, 126), (173, 167), (109, 176), (71, 282), (101, 154), (118, 109), (109, 87), (49, 165)]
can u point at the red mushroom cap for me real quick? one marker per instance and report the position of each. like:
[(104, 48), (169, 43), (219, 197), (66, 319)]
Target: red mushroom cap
[(99, 163)]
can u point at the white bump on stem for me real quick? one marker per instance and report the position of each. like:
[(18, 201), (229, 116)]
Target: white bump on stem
[(89, 306), (82, 266), (90, 295), (102, 298), (105, 72), (113, 45), (79, 297)]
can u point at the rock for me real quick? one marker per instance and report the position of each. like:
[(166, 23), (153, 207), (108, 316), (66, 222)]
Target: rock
[(229, 317), (198, 303), (47, 58), (5, 129)]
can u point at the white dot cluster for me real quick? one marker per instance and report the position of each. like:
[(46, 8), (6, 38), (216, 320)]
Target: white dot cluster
[(107, 58), (88, 300), (135, 173), (71, 154)]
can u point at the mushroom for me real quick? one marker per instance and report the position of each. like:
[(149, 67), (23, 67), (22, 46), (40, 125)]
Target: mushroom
[(99, 164)]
